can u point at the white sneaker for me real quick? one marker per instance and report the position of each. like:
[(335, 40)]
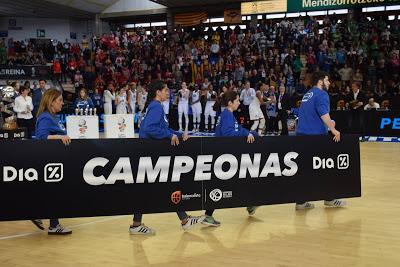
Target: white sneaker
[(59, 230), (336, 203), (180, 130), (141, 230), (192, 221), (304, 206)]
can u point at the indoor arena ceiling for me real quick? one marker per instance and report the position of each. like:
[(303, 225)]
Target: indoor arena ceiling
[(78, 9), (189, 3)]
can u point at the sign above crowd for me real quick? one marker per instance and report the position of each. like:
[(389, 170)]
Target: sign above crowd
[(262, 7), (118, 176), (283, 6), (25, 72), (310, 5)]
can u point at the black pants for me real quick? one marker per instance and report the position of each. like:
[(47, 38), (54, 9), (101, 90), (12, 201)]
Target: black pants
[(272, 124), (283, 116), (29, 124)]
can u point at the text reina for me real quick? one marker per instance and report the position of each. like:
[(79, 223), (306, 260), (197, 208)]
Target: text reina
[(204, 166)]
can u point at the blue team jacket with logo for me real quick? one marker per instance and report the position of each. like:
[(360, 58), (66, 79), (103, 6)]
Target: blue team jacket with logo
[(154, 124), (315, 103), (83, 104), (227, 125)]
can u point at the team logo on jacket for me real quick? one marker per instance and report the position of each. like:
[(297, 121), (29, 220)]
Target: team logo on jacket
[(307, 97)]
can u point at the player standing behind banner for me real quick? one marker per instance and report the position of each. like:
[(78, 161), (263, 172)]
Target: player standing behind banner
[(155, 126), (48, 127), (183, 107), (314, 119), (256, 114), (121, 102), (142, 98), (209, 110), (228, 126), (196, 108), (131, 98), (109, 97)]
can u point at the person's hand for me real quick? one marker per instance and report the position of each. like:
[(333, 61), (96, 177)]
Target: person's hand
[(336, 135), (250, 138), (174, 140), (185, 136), (65, 139), (288, 112)]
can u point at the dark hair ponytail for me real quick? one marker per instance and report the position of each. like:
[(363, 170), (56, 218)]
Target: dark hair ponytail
[(152, 91), (224, 99)]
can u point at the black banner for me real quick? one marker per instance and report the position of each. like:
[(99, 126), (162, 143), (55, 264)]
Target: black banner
[(368, 122), (45, 179), (25, 72), (18, 133)]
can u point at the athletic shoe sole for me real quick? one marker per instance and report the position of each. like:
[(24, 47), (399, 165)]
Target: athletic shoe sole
[(60, 233), (210, 224)]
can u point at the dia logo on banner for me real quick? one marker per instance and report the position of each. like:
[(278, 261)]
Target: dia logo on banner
[(342, 162), (53, 172)]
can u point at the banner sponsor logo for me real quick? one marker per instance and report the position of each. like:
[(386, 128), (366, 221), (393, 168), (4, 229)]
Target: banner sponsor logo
[(177, 197), (394, 123), (342, 162), (53, 172), (217, 194)]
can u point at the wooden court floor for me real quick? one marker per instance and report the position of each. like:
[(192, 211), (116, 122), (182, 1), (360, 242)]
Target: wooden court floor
[(367, 233)]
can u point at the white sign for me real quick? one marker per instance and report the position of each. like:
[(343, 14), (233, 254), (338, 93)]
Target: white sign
[(83, 127), (119, 126)]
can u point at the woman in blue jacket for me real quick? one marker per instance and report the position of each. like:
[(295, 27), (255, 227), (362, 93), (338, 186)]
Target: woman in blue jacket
[(50, 128), (227, 125), (155, 126)]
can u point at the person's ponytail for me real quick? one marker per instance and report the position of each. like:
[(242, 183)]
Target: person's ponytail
[(152, 92)]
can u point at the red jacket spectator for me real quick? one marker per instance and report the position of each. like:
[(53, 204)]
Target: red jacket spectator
[(56, 67)]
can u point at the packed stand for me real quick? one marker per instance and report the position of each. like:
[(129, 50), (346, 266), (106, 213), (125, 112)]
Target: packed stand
[(269, 65)]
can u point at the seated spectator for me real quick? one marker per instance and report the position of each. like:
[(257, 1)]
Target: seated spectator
[(371, 104)]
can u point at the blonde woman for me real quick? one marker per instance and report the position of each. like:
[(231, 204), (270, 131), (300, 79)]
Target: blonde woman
[(48, 127)]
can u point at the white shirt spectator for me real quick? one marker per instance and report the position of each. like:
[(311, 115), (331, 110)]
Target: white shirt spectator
[(373, 106), (23, 106), (247, 96)]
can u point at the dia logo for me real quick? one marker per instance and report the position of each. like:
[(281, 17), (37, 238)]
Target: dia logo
[(342, 162), (53, 172)]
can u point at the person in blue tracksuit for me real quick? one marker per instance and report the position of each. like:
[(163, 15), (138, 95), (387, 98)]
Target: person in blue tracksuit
[(97, 100), (155, 126), (227, 126), (48, 127), (83, 101), (314, 119)]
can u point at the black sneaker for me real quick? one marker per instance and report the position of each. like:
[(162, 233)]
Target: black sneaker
[(38, 223)]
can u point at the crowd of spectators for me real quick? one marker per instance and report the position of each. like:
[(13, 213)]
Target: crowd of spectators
[(360, 53)]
